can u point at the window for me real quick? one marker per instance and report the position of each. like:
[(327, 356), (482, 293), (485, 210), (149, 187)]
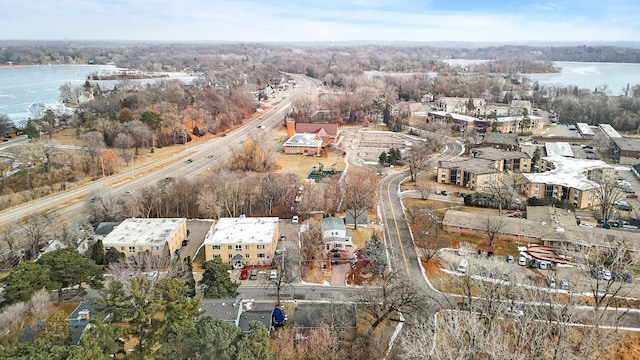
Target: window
[(155, 248), (230, 256), (260, 262), (238, 247), (132, 249), (247, 256), (260, 247), (261, 255), (229, 247), (121, 248), (246, 247), (216, 256), (216, 247)]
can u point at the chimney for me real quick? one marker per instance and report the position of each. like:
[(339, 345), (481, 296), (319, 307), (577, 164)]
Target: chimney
[(291, 128)]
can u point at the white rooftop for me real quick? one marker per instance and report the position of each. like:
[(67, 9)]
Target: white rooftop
[(568, 172), (304, 139), (584, 129), (142, 231), (512, 119), (608, 130), (242, 230), (558, 149), (460, 117)]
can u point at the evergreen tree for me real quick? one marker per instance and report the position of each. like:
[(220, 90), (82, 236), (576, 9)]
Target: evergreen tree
[(25, 279), (374, 250), (255, 344), (97, 253), (187, 277), (216, 280)]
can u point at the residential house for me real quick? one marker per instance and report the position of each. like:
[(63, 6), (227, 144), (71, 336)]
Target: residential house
[(222, 309), (265, 317), (80, 318), (504, 141), (476, 174), (504, 160), (242, 241), (159, 236), (575, 181), (335, 236), (626, 151)]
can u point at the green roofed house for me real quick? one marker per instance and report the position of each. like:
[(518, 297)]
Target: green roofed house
[(335, 235)]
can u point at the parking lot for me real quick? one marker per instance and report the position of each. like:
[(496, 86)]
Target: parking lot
[(578, 281), (367, 146)]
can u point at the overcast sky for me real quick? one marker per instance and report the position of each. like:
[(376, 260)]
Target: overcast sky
[(321, 20)]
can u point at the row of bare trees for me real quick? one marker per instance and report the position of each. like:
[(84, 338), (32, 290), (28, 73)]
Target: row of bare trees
[(514, 319)]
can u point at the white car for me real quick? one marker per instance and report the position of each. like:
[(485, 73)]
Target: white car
[(273, 274), (513, 312), (542, 265), (294, 220), (522, 261)]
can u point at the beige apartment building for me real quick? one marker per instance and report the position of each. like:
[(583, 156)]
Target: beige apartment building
[(475, 174), (159, 236), (242, 241), (515, 161), (568, 179)]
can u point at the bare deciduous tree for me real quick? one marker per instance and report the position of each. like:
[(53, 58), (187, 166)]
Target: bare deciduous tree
[(425, 227), (493, 226), (359, 192), (40, 304)]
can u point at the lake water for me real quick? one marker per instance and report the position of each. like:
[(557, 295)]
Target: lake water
[(589, 75), (585, 75), (22, 86)]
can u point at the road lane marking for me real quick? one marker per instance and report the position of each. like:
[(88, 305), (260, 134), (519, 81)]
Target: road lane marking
[(393, 214)]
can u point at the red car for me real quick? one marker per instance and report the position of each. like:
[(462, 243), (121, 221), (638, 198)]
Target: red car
[(632, 196), (244, 273)]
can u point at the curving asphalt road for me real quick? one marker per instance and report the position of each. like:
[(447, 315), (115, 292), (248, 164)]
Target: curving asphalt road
[(403, 257)]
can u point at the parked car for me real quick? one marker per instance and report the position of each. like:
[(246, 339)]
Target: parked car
[(244, 274), (552, 282), (522, 261), (282, 238), (510, 258), (632, 196), (189, 161), (462, 267), (294, 220), (542, 265), (461, 252), (185, 242), (586, 225), (513, 312), (273, 274), (564, 284), (602, 274), (253, 275), (444, 192), (533, 264)]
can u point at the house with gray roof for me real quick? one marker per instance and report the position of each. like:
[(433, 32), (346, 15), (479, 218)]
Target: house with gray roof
[(262, 316), (228, 309), (335, 236)]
